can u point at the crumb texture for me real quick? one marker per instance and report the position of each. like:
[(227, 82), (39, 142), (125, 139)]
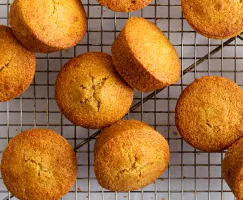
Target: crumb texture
[(130, 155), (39, 164), (144, 57), (17, 66), (209, 113), (48, 25), (90, 93), (214, 19), (124, 5), (233, 168)]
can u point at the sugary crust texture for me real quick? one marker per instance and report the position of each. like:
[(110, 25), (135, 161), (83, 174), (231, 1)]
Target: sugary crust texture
[(216, 19), (90, 93), (17, 66), (232, 168), (144, 57), (46, 26), (209, 113), (130, 155), (125, 5), (39, 164)]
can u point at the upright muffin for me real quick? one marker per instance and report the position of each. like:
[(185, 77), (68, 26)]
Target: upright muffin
[(90, 93), (48, 25), (124, 5), (233, 168), (214, 19), (209, 113), (38, 164), (17, 66), (129, 155), (144, 57)]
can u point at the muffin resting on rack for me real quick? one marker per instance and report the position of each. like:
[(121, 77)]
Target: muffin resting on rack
[(17, 66), (90, 93), (39, 164), (129, 155), (144, 57), (209, 113), (48, 25)]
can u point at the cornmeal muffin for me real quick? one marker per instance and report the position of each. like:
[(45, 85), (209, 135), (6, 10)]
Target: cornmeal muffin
[(233, 168), (144, 57), (129, 155), (124, 5), (216, 19), (17, 66), (90, 93), (209, 113), (38, 164), (46, 26)]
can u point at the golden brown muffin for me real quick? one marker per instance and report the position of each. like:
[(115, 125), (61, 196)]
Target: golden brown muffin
[(216, 19), (17, 66), (38, 164), (90, 93), (48, 25), (233, 168), (209, 113), (144, 57), (124, 5), (129, 155)]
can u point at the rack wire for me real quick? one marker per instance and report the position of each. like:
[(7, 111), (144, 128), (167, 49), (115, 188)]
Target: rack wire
[(191, 174)]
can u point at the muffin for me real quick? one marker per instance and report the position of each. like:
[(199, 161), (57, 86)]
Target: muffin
[(129, 155), (90, 93), (124, 5), (209, 113), (144, 57), (233, 168), (17, 66), (214, 19), (38, 164), (46, 26)]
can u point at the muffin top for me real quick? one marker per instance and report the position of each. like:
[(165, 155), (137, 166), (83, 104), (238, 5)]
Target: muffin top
[(130, 155), (209, 113), (155, 63), (38, 164), (124, 5), (57, 23), (232, 168), (90, 93), (214, 19), (17, 66)]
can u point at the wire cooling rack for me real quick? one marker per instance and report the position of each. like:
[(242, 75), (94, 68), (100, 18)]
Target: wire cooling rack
[(192, 175)]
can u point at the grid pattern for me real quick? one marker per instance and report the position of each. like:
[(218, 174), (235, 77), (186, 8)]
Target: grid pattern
[(192, 174)]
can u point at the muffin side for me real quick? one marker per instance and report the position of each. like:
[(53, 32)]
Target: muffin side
[(17, 66)]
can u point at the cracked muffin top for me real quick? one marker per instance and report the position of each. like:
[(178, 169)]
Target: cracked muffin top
[(216, 19), (129, 155), (209, 113), (124, 5), (90, 93), (17, 66), (48, 25), (39, 164)]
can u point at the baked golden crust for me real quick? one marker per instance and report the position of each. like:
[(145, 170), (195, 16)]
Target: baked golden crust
[(129, 155), (38, 164), (144, 57), (124, 5), (17, 66), (232, 168), (48, 25), (209, 113), (217, 19), (90, 93)]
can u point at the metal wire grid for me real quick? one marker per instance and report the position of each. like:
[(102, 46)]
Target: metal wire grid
[(192, 174)]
